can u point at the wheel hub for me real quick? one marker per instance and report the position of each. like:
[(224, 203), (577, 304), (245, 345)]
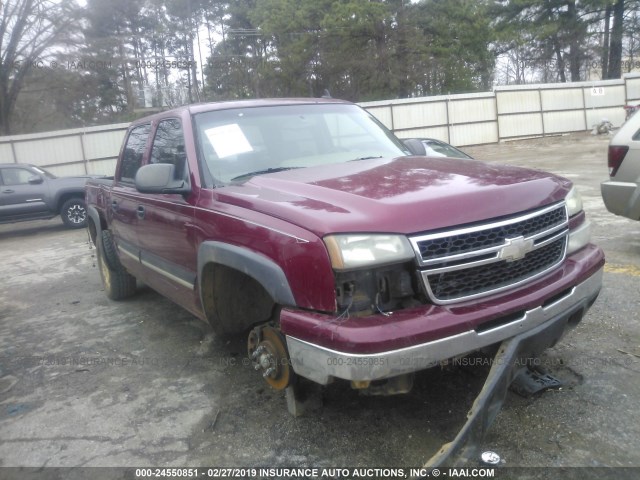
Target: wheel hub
[(268, 353), (77, 214)]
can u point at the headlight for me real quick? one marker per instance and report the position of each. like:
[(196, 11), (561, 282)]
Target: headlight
[(574, 202), (579, 238), (354, 250)]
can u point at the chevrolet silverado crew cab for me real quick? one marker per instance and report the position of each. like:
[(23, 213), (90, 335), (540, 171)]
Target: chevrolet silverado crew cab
[(28, 192), (308, 225)]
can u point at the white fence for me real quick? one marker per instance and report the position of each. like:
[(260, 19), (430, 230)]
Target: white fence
[(510, 112), (469, 119), (79, 151)]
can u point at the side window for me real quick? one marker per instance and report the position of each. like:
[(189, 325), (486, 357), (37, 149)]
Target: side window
[(133, 152), (168, 147), (16, 176)]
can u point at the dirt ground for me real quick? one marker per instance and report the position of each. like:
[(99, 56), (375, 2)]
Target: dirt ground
[(85, 381)]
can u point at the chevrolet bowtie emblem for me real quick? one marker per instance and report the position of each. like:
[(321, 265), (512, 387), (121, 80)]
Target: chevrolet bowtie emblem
[(515, 248)]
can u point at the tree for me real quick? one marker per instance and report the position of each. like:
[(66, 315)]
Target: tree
[(633, 45), (555, 33), (614, 69), (56, 99), (29, 29), (113, 36), (451, 47), (237, 67), (291, 33), (561, 39), (357, 49), (355, 44), (183, 16)]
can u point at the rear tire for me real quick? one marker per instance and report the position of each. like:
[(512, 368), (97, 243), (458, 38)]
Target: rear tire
[(74, 213), (118, 283)]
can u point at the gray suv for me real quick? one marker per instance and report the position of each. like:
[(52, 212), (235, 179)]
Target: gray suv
[(28, 192), (621, 194)]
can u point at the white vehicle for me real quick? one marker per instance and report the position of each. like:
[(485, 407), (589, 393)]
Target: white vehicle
[(621, 194)]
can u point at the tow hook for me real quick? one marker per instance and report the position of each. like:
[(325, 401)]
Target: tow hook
[(268, 353)]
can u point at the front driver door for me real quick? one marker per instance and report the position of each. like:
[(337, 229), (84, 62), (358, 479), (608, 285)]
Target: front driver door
[(124, 197), (165, 223), (19, 198)]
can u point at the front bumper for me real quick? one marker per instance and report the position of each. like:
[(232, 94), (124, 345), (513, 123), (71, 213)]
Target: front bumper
[(622, 198), (322, 364), (512, 355)]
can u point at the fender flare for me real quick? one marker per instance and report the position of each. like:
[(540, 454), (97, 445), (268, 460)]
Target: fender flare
[(266, 272), (94, 215)]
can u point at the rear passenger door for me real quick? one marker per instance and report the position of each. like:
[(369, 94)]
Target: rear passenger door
[(165, 222)]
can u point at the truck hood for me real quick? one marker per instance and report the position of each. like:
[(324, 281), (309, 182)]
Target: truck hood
[(402, 195)]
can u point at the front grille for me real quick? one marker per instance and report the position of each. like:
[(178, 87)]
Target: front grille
[(479, 260), (485, 278), (448, 244)]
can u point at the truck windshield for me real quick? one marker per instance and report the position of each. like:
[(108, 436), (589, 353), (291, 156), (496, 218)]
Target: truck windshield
[(237, 144)]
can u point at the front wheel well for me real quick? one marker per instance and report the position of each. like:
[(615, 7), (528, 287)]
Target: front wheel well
[(233, 301), (67, 196)]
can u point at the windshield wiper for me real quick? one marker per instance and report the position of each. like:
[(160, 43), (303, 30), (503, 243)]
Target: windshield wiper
[(365, 158), (262, 172)]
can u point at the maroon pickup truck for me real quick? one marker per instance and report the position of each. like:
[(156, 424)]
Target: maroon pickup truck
[(308, 225)]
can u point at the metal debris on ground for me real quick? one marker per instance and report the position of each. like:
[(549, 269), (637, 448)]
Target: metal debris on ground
[(605, 127), (528, 382), (490, 458)]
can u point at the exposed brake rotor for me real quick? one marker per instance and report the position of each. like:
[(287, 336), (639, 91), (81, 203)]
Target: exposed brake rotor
[(268, 353)]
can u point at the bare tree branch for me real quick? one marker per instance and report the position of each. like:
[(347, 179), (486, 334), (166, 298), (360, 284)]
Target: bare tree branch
[(28, 29)]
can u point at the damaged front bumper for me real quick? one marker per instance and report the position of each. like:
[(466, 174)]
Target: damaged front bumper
[(512, 354), (322, 364), (545, 326)]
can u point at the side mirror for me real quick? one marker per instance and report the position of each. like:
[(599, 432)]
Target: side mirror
[(160, 178), (35, 180), (415, 146)]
